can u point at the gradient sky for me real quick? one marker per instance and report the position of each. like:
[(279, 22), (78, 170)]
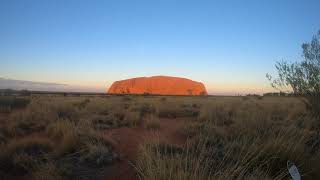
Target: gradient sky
[(228, 45)]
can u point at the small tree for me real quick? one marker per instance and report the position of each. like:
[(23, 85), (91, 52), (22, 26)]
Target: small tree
[(302, 78)]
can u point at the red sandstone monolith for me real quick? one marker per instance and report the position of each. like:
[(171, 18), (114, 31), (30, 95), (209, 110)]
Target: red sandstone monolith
[(161, 85)]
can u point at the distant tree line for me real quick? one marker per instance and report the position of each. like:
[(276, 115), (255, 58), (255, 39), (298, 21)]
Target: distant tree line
[(11, 92), (279, 94)]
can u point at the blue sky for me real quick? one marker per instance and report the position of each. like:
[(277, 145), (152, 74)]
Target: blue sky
[(228, 45)]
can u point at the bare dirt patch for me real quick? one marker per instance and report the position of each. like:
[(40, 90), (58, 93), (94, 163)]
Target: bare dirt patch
[(128, 141)]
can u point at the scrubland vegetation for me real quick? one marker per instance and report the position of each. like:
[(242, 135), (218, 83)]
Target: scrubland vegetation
[(222, 137), (238, 139)]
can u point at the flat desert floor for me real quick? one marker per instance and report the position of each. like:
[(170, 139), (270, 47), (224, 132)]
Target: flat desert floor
[(156, 137)]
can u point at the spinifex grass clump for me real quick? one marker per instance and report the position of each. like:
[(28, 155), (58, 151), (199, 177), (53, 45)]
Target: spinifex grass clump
[(174, 110), (53, 138), (19, 157), (83, 152)]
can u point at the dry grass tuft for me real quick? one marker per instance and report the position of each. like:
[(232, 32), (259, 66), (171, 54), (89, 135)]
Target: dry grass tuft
[(48, 171), (23, 155), (153, 123), (7, 103), (175, 110), (238, 140), (227, 137)]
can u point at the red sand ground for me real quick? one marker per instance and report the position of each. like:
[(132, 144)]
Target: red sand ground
[(128, 142)]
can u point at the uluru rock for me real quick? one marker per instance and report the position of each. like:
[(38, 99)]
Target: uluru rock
[(161, 85)]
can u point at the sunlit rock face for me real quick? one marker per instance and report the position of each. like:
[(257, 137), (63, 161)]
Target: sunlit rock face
[(161, 85)]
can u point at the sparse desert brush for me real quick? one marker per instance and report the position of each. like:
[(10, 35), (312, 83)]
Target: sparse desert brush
[(126, 98), (190, 129), (32, 119), (219, 115), (208, 158), (163, 99), (22, 156), (145, 108), (66, 124), (257, 144), (97, 153), (81, 136), (87, 158), (82, 149), (102, 122), (226, 137), (3, 136), (199, 130), (65, 111), (158, 160), (175, 110), (153, 122), (59, 128), (99, 106), (82, 104), (71, 137), (131, 118), (10, 102), (69, 143), (116, 116), (245, 98), (48, 171)]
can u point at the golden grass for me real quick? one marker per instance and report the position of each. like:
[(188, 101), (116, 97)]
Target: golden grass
[(23, 155), (153, 123), (238, 139), (227, 138), (47, 171)]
